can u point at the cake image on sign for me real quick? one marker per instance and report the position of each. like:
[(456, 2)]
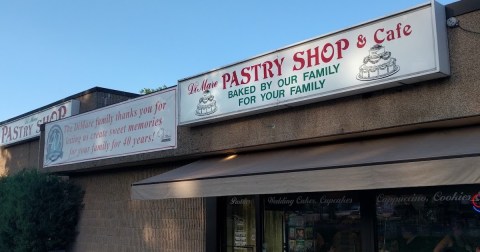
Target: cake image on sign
[(165, 135), (378, 64), (54, 144), (206, 104)]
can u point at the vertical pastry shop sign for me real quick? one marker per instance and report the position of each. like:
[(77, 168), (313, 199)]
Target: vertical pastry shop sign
[(144, 124), (29, 126), (400, 49)]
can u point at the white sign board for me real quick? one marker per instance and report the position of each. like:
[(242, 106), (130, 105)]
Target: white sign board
[(404, 48), (29, 126), (144, 124)]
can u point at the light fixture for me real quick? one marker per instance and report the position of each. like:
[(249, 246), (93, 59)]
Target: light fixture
[(452, 22), (230, 157)]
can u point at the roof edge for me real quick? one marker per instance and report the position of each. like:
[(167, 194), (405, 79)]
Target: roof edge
[(461, 7), (71, 97)]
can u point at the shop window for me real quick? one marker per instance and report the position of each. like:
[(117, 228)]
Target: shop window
[(436, 220), (311, 222), (240, 234)]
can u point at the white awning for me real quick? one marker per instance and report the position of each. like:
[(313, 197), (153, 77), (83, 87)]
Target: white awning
[(433, 159)]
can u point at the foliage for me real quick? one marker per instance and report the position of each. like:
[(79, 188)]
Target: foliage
[(38, 212), (152, 90)]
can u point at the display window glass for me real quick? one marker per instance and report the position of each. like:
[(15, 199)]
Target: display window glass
[(438, 220), (311, 222), (240, 233)]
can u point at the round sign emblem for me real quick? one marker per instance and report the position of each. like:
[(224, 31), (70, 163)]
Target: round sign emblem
[(476, 202), (54, 143)]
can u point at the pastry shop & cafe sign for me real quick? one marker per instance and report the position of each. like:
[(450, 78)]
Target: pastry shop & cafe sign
[(400, 49)]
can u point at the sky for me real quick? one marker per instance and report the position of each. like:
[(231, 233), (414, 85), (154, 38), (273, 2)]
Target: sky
[(52, 49)]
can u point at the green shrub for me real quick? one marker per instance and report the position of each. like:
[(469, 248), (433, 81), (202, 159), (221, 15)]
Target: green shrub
[(38, 212)]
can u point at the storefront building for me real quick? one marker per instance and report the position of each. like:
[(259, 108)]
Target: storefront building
[(366, 139), (380, 171)]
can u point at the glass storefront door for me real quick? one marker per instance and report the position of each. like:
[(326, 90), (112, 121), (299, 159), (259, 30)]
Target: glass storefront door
[(240, 229)]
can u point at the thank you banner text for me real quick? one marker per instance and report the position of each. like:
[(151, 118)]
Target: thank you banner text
[(144, 124)]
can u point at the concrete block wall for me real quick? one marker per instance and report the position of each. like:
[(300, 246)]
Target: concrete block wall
[(98, 97), (18, 157), (111, 221)]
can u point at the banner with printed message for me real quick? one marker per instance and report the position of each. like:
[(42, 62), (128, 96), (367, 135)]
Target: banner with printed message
[(144, 124)]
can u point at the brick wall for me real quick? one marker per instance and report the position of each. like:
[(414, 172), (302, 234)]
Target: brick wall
[(110, 221), (17, 157)]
